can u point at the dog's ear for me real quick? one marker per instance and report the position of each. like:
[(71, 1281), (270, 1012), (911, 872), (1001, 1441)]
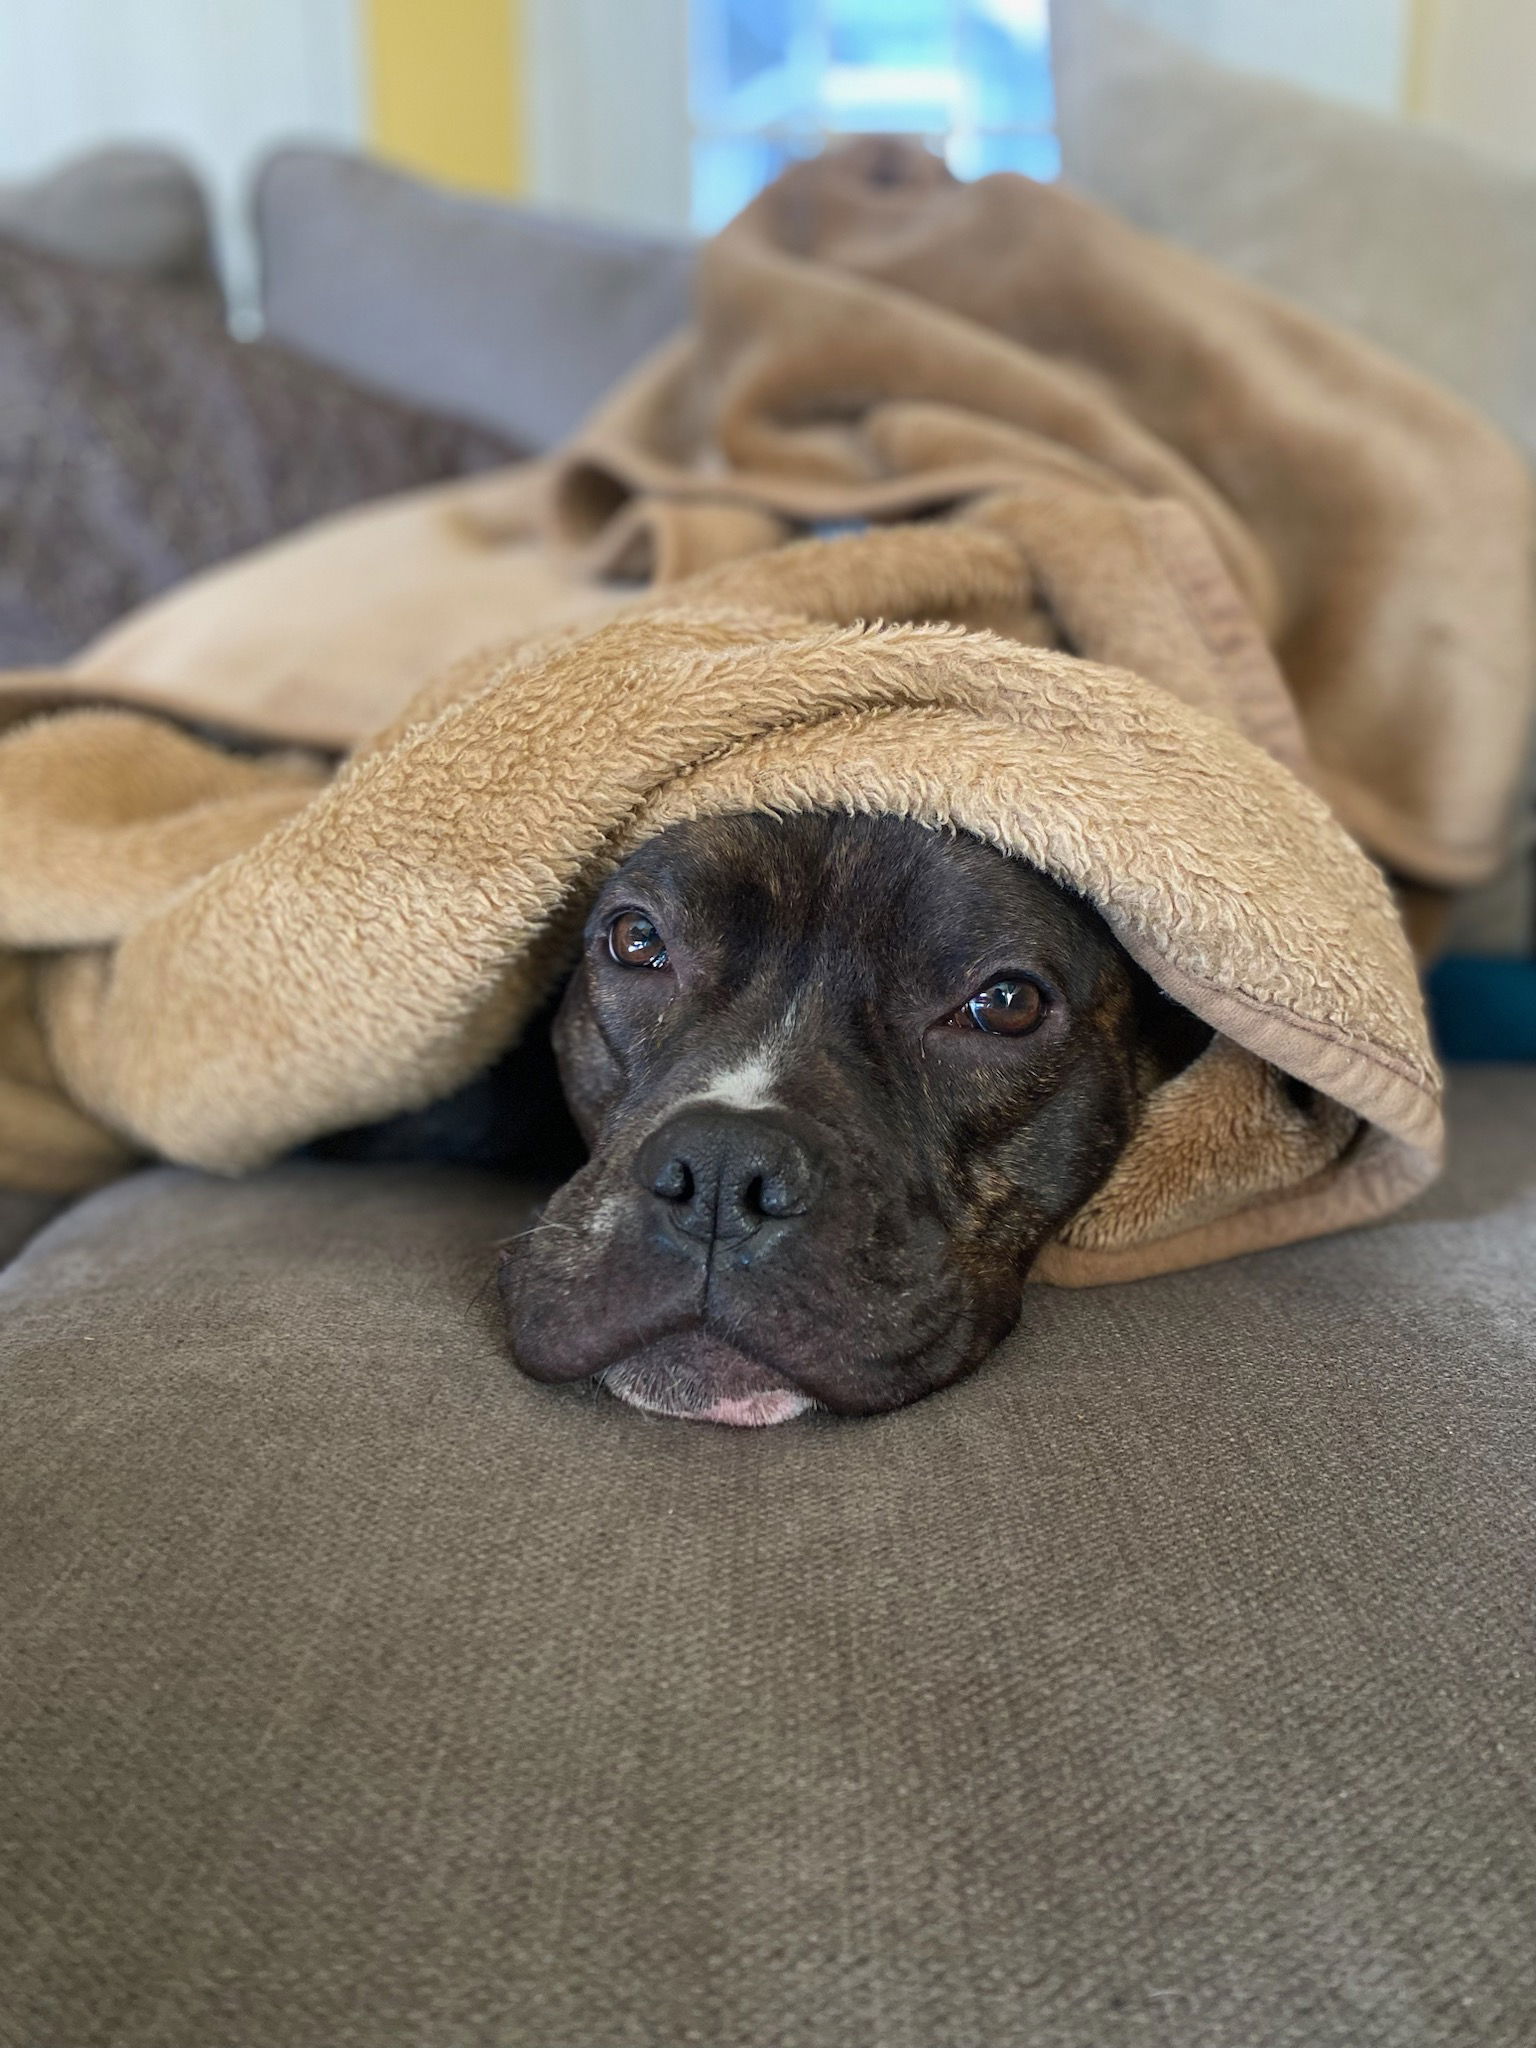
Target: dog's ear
[(589, 1074), (1169, 1037)]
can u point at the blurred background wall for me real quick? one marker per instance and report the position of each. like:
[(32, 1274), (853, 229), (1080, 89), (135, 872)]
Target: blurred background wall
[(666, 113)]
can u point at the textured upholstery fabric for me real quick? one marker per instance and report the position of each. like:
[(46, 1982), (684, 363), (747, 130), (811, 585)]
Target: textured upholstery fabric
[(20, 1216), (139, 443), (517, 319), (127, 208), (1172, 1680)]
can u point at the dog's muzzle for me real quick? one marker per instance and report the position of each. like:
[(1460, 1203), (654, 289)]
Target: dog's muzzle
[(721, 1270), (717, 1195)]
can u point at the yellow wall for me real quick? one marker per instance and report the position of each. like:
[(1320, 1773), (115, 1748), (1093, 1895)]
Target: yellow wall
[(443, 88)]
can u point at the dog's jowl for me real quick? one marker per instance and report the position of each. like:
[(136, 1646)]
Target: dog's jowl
[(841, 1078)]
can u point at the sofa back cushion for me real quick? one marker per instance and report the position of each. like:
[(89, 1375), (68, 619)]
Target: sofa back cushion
[(1406, 237), (1402, 235), (498, 314)]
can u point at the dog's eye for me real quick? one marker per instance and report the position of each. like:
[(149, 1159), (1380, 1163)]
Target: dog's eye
[(635, 942), (1009, 1008)]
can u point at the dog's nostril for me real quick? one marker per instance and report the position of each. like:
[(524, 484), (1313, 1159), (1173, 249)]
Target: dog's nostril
[(771, 1195), (674, 1181), (724, 1176)]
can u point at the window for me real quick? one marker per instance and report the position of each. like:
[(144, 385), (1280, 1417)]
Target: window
[(772, 80)]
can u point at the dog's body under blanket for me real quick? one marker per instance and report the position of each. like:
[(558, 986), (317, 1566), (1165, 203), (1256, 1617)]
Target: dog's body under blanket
[(1131, 481)]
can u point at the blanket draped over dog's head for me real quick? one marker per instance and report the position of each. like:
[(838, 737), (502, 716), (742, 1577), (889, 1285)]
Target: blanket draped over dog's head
[(1153, 582)]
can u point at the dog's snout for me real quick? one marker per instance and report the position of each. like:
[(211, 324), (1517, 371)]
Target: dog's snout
[(723, 1175)]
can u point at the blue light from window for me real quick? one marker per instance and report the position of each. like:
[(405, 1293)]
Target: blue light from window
[(775, 79)]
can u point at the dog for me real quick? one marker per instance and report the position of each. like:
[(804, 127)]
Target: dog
[(840, 1077)]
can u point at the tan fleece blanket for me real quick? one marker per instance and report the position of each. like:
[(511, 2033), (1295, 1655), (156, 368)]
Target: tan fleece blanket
[(1181, 554)]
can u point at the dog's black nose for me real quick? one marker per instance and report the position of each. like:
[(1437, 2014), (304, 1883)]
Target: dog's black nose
[(723, 1174)]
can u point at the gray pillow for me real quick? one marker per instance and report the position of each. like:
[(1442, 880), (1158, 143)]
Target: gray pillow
[(139, 442), (513, 318), (1406, 237), (128, 208)]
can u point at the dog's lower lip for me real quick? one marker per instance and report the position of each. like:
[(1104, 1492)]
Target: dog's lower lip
[(743, 1411), (696, 1376)]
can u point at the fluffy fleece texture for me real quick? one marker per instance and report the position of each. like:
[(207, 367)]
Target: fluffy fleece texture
[(1138, 484), (380, 942)]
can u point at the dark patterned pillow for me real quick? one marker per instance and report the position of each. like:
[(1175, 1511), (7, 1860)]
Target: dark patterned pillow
[(140, 442)]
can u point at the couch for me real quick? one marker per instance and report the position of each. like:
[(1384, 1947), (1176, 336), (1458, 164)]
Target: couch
[(1173, 1679)]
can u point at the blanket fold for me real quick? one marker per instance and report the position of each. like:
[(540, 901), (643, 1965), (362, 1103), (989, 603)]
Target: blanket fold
[(1199, 607), (876, 339)]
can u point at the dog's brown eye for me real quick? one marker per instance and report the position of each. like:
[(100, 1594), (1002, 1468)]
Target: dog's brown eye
[(635, 942), (1010, 1008)]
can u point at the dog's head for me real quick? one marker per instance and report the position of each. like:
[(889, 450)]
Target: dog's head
[(841, 1078)]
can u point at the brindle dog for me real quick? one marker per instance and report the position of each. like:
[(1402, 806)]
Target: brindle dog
[(841, 1079)]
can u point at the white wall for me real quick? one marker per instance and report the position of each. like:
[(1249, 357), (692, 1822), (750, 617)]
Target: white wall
[(221, 80), (1466, 66), (1355, 50), (607, 108)]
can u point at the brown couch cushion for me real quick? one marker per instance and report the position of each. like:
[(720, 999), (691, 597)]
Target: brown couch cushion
[(1172, 1680), (140, 442)]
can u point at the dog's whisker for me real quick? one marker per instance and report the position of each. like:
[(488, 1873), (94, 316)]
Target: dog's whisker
[(533, 1230)]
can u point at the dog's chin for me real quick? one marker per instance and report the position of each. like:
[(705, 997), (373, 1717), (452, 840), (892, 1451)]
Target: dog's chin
[(698, 1377)]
